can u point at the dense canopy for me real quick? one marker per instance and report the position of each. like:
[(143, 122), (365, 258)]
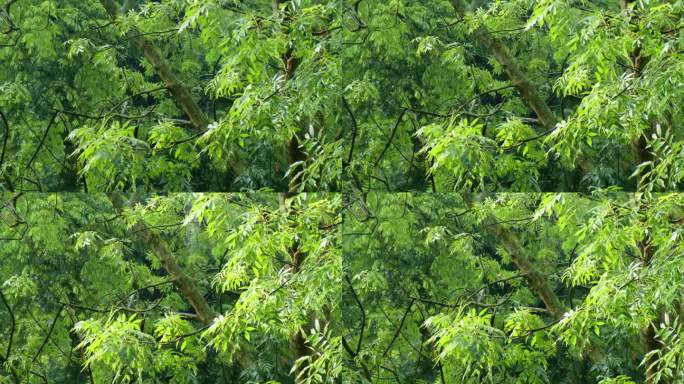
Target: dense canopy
[(226, 95), (520, 95), (172, 96), (514, 288), (341, 191), (183, 289)]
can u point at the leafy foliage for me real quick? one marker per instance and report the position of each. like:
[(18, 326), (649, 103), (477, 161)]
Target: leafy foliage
[(107, 304), (172, 96), (520, 288), (341, 191)]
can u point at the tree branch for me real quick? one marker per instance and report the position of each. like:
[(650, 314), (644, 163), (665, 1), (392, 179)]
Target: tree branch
[(363, 314), (389, 141), (180, 93), (49, 334), (13, 326), (354, 129), (5, 138), (42, 140), (398, 331)]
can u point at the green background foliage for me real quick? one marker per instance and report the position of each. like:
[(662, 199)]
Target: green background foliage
[(341, 191), (451, 287), (104, 305)]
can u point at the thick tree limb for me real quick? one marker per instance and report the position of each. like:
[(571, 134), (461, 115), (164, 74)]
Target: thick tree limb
[(153, 55), (158, 247), (181, 280), (522, 84), (527, 90), (180, 93), (534, 278)]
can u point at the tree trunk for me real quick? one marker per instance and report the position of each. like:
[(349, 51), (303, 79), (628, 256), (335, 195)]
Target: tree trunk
[(293, 149), (648, 334), (300, 348), (639, 145), (642, 155), (293, 154)]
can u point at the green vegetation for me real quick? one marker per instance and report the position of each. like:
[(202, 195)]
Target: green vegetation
[(227, 95), (172, 96), (182, 289), (514, 288), (520, 95), (257, 288), (341, 191)]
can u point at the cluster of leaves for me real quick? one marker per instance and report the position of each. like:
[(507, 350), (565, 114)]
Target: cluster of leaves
[(515, 95), (519, 288), (173, 96), (125, 102), (102, 288)]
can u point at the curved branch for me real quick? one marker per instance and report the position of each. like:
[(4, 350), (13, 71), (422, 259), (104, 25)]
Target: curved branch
[(10, 23), (5, 139), (13, 326), (42, 140), (363, 314), (49, 334), (389, 141), (398, 331), (354, 129)]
